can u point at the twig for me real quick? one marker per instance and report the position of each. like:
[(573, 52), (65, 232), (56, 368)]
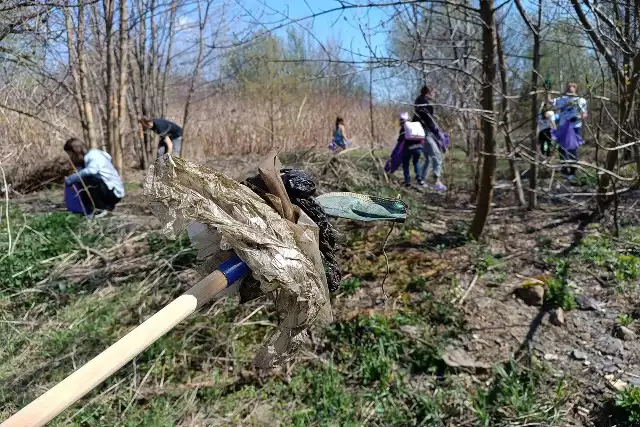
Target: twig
[(6, 201), (96, 252), (133, 398), (473, 283), (386, 259)]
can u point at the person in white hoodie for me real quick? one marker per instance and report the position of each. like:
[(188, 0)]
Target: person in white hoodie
[(96, 174)]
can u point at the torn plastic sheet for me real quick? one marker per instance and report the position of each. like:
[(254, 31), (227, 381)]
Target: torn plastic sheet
[(281, 255)]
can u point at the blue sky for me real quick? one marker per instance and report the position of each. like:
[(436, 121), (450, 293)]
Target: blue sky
[(339, 25)]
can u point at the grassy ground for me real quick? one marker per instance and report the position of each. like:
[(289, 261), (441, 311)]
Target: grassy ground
[(71, 287)]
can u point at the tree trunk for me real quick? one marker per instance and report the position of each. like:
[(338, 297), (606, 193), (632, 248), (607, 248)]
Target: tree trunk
[(164, 102), (109, 87), (506, 117), (485, 197), (535, 69), (79, 74), (195, 76), (74, 72), (122, 95)]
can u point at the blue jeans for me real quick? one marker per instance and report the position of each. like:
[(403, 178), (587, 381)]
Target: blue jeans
[(411, 155), (569, 155), (432, 158)]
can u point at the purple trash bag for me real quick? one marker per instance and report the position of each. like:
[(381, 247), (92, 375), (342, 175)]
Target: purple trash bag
[(395, 160), (73, 201), (443, 141), (566, 136)]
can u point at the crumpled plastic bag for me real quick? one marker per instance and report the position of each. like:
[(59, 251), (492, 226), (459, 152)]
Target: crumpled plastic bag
[(181, 192)]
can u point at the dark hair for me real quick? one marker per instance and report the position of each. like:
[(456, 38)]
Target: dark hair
[(75, 145), (425, 91), (145, 120), (339, 121)]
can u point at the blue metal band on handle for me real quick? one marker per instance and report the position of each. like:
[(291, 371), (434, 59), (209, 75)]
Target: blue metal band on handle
[(233, 269)]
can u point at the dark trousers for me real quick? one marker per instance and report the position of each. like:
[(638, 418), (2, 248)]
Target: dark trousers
[(546, 142), (570, 155), (99, 196), (408, 157)]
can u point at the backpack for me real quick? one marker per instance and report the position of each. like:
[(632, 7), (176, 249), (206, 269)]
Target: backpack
[(413, 131)]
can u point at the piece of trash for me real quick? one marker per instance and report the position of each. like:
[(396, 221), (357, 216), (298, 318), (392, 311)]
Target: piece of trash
[(362, 207), (458, 358)]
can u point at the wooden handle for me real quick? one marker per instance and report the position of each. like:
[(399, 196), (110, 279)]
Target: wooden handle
[(66, 393)]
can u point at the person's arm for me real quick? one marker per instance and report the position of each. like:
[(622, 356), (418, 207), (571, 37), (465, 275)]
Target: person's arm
[(91, 168), (582, 104), (169, 143)]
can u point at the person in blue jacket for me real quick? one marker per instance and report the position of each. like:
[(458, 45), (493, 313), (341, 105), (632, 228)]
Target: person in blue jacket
[(100, 184)]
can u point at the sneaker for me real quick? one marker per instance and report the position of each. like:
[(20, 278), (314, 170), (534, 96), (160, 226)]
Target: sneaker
[(421, 183), (406, 185), (438, 186), (99, 214)]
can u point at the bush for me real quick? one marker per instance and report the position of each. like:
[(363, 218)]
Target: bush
[(628, 402), (559, 294)]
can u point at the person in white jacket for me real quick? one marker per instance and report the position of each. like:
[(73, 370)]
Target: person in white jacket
[(96, 174)]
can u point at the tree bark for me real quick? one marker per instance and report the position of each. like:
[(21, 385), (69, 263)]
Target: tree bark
[(77, 64), (487, 14), (109, 86), (195, 76), (122, 89), (535, 70), (167, 67), (506, 120)]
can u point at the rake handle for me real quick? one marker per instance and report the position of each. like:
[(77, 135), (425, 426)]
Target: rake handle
[(82, 381)]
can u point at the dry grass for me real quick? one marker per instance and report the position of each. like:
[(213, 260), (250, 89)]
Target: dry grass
[(227, 124)]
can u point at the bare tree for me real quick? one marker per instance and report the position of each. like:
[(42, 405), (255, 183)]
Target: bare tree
[(535, 71), (487, 13), (204, 7), (613, 43), (506, 121), (78, 66)]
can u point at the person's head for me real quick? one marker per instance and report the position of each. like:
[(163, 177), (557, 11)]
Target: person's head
[(404, 116), (572, 87), (339, 121), (427, 91), (146, 123), (76, 149)]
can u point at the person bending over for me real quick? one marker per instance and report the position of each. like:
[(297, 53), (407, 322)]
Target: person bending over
[(100, 184), (170, 135)]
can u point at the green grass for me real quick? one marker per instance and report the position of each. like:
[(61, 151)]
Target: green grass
[(627, 403), (384, 369), (519, 394), (350, 286), (36, 241), (559, 294), (625, 319), (620, 259), (178, 252)]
